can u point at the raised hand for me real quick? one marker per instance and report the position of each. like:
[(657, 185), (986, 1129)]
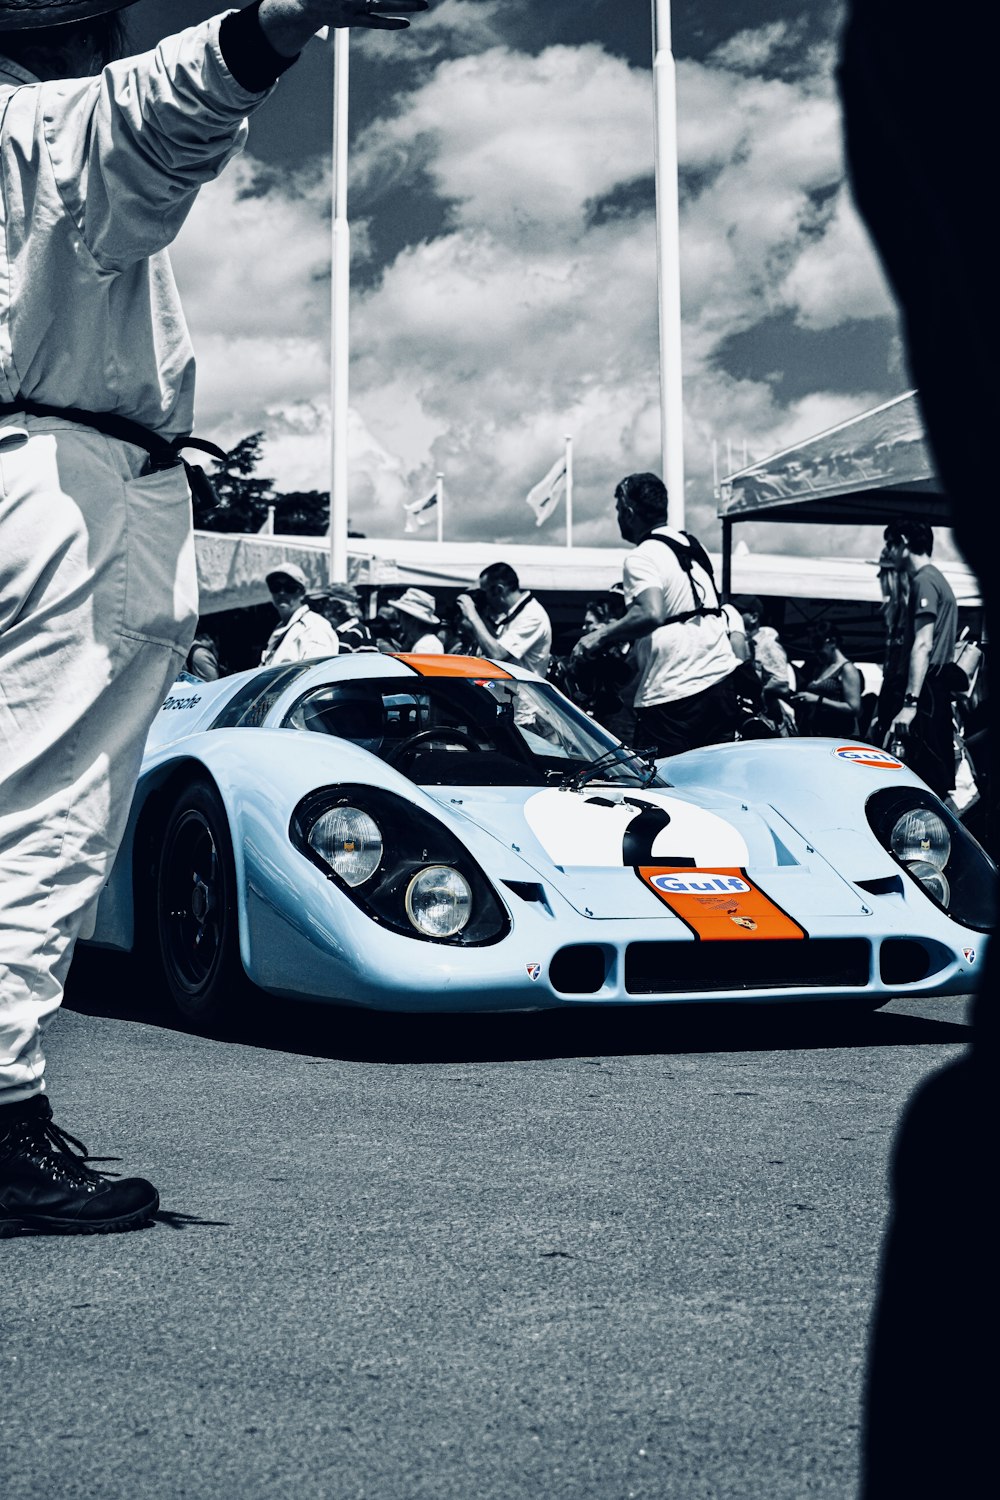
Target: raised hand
[(288, 24)]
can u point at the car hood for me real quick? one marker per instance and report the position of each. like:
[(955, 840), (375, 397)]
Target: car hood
[(587, 843)]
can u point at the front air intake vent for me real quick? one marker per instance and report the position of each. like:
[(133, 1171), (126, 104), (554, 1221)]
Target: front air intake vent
[(903, 961), (579, 969)]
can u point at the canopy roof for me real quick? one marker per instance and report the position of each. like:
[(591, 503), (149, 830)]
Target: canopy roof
[(865, 471), (232, 567)]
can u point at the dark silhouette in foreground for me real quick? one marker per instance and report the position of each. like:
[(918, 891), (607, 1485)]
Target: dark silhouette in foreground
[(915, 98)]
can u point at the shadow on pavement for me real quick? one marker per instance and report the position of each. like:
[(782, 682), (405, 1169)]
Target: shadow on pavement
[(112, 985)]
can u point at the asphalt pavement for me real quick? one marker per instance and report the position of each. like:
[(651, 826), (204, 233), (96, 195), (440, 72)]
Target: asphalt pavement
[(597, 1255)]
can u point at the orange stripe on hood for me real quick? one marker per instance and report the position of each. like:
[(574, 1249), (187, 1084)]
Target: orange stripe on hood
[(719, 905), (433, 665)]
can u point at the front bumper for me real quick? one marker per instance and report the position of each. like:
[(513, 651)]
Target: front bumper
[(321, 947)]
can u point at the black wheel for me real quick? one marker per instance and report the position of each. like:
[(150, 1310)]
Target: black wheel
[(197, 932)]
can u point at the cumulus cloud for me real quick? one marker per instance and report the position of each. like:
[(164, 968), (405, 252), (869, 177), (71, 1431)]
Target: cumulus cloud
[(533, 313)]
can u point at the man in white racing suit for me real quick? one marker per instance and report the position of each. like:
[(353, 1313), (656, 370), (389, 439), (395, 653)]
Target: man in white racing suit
[(101, 160)]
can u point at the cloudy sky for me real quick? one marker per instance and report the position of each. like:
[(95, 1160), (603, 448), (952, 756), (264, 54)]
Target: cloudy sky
[(504, 279)]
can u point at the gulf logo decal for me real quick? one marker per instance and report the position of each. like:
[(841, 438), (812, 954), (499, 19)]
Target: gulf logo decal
[(720, 905), (434, 665), (867, 755)]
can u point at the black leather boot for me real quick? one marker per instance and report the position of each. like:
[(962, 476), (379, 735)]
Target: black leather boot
[(46, 1186)]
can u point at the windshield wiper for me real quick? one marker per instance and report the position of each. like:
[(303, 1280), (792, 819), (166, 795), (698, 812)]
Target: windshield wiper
[(612, 757)]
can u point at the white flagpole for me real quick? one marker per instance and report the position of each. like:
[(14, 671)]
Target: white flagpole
[(569, 491), (668, 260), (440, 507), (340, 310)]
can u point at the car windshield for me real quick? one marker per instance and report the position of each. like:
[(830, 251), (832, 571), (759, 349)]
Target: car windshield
[(471, 731)]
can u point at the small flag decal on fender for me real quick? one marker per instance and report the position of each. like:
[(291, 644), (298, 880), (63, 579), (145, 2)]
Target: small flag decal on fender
[(720, 905), (534, 970)]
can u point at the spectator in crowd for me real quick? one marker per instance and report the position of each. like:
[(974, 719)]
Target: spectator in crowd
[(600, 683), (775, 673), (417, 622), (685, 694), (520, 629), (894, 582), (203, 659), (340, 604), (925, 721), (385, 627), (831, 703), (300, 631)]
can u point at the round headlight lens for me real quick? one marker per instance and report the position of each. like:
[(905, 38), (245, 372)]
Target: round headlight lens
[(921, 836), (439, 901), (349, 841), (931, 879)]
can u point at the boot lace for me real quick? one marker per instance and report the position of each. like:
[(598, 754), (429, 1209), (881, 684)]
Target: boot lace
[(55, 1150)]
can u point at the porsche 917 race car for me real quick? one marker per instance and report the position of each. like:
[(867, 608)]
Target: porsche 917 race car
[(441, 833)]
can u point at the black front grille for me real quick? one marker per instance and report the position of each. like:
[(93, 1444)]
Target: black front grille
[(755, 964)]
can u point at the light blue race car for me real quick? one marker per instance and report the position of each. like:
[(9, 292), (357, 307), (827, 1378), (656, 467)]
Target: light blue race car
[(441, 833)]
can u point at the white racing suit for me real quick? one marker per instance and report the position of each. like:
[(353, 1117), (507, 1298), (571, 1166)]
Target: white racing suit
[(98, 596)]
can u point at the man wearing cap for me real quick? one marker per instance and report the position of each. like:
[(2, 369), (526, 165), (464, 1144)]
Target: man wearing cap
[(101, 158), (300, 632), (340, 604), (415, 611)]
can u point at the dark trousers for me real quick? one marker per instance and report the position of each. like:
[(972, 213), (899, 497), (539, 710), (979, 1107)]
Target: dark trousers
[(706, 718), (930, 748)]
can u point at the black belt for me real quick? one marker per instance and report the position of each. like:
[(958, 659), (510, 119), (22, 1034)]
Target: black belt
[(162, 451)]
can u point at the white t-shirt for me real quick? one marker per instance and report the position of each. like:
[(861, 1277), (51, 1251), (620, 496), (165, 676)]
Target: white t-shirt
[(427, 645), (527, 634), (306, 634), (679, 660)]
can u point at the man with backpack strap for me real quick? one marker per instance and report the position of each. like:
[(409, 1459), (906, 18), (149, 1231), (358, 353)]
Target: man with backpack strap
[(685, 693)]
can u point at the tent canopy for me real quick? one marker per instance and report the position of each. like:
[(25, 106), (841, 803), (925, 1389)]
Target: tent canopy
[(866, 471), (232, 568)]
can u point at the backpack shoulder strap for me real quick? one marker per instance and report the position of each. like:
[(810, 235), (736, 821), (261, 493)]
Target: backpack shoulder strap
[(687, 553)]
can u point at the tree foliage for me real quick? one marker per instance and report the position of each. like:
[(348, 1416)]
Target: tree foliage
[(303, 512), (241, 495)]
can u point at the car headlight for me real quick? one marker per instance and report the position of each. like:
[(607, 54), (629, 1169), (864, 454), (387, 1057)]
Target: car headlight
[(920, 837), (931, 878), (404, 867), (936, 852), (349, 841), (439, 901)]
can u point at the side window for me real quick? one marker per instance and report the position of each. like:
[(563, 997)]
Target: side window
[(346, 711), (248, 708)]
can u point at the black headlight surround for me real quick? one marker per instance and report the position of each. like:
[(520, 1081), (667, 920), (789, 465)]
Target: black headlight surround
[(971, 874), (412, 839)]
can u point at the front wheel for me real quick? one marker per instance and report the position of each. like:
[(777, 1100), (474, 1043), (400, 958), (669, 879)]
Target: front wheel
[(197, 929)]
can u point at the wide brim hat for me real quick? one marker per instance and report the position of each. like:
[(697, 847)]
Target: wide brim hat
[(419, 605), (288, 570), (25, 15)]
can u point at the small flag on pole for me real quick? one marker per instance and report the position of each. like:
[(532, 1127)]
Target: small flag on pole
[(547, 493), (420, 512)]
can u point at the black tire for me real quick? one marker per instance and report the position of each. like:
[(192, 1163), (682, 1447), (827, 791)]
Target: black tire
[(195, 914)]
